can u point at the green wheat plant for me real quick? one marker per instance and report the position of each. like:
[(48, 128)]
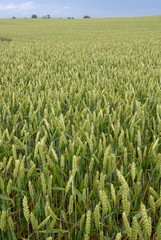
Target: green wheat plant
[(80, 129)]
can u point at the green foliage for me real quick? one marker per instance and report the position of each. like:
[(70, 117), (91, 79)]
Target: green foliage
[(34, 16), (86, 16), (80, 129)]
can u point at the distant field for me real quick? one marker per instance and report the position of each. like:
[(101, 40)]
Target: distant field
[(80, 129)]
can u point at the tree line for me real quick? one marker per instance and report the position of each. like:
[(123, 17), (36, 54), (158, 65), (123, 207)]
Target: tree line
[(48, 16)]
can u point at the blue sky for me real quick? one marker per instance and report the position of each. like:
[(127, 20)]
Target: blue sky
[(79, 8)]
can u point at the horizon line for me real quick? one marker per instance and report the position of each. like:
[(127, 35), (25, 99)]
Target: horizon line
[(72, 18)]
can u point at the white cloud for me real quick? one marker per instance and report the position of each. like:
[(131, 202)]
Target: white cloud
[(66, 7), (13, 6), (27, 5), (8, 6)]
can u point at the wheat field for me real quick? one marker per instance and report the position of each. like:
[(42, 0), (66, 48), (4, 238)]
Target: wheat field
[(80, 129)]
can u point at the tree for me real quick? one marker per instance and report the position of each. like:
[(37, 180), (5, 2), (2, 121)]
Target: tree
[(87, 16), (34, 16), (46, 16)]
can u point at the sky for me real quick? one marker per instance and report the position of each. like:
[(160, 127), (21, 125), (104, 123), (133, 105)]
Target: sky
[(79, 8)]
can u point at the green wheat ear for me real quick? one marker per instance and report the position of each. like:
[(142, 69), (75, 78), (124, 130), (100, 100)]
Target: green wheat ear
[(118, 236), (14, 152), (3, 219), (26, 209), (97, 216), (43, 183), (31, 190), (9, 185), (158, 230), (105, 202), (88, 225), (134, 229), (152, 204), (33, 221), (11, 225), (113, 193), (126, 224), (133, 171), (1, 184), (69, 184), (101, 235), (16, 169), (70, 207), (146, 220)]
